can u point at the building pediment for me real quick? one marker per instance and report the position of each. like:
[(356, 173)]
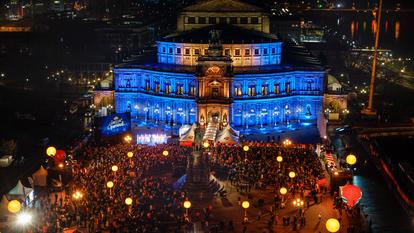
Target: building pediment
[(223, 6)]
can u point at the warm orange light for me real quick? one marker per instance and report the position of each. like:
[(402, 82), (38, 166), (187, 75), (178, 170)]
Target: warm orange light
[(114, 168), (187, 204), (130, 154), (206, 144), (245, 204), (283, 190), (14, 206), (292, 174), (128, 201), (246, 148), (351, 159), (279, 159), (51, 151), (109, 184), (332, 225), (165, 153)]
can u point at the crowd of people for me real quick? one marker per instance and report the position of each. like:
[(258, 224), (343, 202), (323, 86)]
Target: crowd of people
[(155, 206)]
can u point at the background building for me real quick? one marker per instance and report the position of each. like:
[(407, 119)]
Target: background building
[(222, 66)]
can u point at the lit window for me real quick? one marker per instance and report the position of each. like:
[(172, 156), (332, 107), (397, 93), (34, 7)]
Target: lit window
[(276, 89), (156, 86), (265, 89), (192, 90), (238, 90), (252, 90), (147, 85), (287, 88), (247, 52), (180, 89), (167, 88)]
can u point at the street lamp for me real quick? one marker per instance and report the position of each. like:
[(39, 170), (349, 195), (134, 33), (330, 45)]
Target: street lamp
[(332, 225), (292, 174), (351, 159), (77, 195), (165, 153), (187, 205), (128, 138), (14, 206), (128, 201), (206, 144), (279, 160), (283, 190), (245, 205), (114, 168), (51, 151), (246, 148), (298, 203), (130, 154), (110, 185)]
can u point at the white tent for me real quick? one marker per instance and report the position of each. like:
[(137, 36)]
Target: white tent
[(40, 177), (20, 191), (228, 136)]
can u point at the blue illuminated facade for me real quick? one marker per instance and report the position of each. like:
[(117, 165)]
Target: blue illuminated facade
[(236, 81)]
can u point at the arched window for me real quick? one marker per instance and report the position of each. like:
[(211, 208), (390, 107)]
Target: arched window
[(287, 88), (252, 89), (167, 87), (147, 84), (238, 89), (276, 89), (265, 89), (193, 89), (180, 89), (156, 86)]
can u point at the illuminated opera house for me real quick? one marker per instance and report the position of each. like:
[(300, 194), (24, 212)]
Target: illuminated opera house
[(222, 65)]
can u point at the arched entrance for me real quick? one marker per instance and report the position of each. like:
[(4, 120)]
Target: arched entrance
[(214, 116)]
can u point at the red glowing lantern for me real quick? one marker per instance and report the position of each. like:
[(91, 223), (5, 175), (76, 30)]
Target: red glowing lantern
[(351, 194)]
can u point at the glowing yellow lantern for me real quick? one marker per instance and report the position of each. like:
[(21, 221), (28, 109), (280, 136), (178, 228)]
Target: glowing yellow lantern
[(246, 148), (283, 190), (187, 204), (130, 154), (51, 151), (206, 144), (332, 225), (165, 153), (292, 174), (245, 204), (128, 201), (110, 184), (14, 206), (351, 159), (279, 159), (114, 168)]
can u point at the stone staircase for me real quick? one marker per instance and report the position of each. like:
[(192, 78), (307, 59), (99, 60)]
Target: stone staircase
[(211, 131)]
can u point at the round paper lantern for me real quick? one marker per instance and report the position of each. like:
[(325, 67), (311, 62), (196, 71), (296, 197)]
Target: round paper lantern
[(332, 225), (165, 153), (51, 151), (292, 174), (283, 190), (130, 154), (279, 159), (109, 184), (245, 204), (114, 168), (187, 204), (14, 206), (128, 201), (246, 148), (351, 159)]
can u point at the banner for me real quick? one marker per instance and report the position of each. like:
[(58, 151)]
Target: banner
[(115, 124)]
